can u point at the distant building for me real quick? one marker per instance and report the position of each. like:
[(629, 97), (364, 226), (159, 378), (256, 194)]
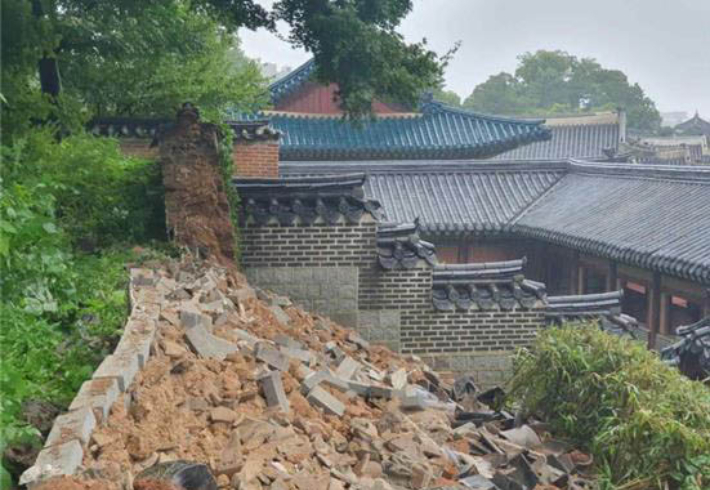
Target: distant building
[(696, 126), (273, 72), (671, 119)]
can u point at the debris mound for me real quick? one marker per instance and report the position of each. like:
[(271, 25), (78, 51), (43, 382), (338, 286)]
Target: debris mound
[(247, 388)]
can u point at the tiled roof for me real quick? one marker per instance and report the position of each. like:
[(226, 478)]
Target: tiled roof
[(584, 138), (305, 200), (124, 127), (291, 82), (654, 217), (399, 246), (583, 306), (484, 286), (449, 197), (692, 353), (438, 132), (693, 126)]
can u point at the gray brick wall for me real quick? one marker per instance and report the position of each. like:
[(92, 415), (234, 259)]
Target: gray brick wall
[(318, 245), (333, 270), (424, 330), (317, 266), (330, 291)]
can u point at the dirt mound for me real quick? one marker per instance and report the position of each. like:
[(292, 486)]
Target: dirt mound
[(270, 396)]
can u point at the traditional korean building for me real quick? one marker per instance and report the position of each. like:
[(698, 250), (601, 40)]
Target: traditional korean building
[(547, 192), (695, 126), (585, 225)]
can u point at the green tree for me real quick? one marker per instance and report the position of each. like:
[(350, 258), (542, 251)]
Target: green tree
[(500, 94), (556, 82), (60, 55), (448, 97)]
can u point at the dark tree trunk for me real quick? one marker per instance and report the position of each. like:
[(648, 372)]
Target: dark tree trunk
[(47, 66)]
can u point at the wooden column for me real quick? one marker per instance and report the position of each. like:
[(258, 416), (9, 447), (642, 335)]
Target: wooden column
[(574, 279), (654, 311), (664, 326), (611, 277)]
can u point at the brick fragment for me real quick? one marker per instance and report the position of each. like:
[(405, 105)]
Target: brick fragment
[(347, 368), (281, 316), (74, 425), (272, 357), (62, 459), (208, 345), (99, 395), (190, 317), (272, 386), (123, 366), (330, 405)]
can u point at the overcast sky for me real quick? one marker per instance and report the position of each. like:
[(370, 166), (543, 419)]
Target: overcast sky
[(664, 45)]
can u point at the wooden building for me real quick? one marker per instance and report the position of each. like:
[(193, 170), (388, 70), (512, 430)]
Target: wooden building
[(584, 227)]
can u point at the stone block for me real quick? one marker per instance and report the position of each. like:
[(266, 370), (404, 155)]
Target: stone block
[(390, 319), (413, 402), (362, 389), (326, 377), (208, 345), (142, 277), (281, 316), (138, 335), (330, 405), (123, 366), (312, 380), (75, 425), (398, 379), (287, 341), (190, 318), (273, 389), (99, 395), (250, 339), (62, 459), (300, 354), (347, 368), (497, 362), (271, 356)]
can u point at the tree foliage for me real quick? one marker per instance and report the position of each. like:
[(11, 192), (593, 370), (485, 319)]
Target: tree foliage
[(70, 59), (647, 425), (556, 82)]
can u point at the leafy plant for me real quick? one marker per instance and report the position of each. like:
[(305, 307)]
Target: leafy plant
[(647, 425)]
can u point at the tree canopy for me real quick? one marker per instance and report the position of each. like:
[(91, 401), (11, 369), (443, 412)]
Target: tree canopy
[(556, 82), (63, 58)]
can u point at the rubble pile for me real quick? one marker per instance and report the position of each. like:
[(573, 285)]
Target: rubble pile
[(249, 392)]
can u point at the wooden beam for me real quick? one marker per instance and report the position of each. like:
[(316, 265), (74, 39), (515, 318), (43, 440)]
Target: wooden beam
[(612, 277), (654, 313)]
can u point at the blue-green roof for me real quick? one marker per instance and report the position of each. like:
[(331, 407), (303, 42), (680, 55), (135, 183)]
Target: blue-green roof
[(438, 132), (291, 82)]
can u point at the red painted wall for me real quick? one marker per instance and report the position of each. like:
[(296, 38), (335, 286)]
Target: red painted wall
[(314, 98)]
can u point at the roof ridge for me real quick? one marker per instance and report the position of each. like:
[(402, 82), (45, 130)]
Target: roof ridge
[(434, 106), (526, 209), (679, 173), (434, 166)]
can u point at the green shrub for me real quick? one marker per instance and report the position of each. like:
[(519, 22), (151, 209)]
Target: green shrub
[(100, 195), (645, 423), (61, 309)]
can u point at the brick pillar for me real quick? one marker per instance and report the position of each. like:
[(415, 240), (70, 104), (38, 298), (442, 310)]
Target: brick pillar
[(256, 150), (196, 204)]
